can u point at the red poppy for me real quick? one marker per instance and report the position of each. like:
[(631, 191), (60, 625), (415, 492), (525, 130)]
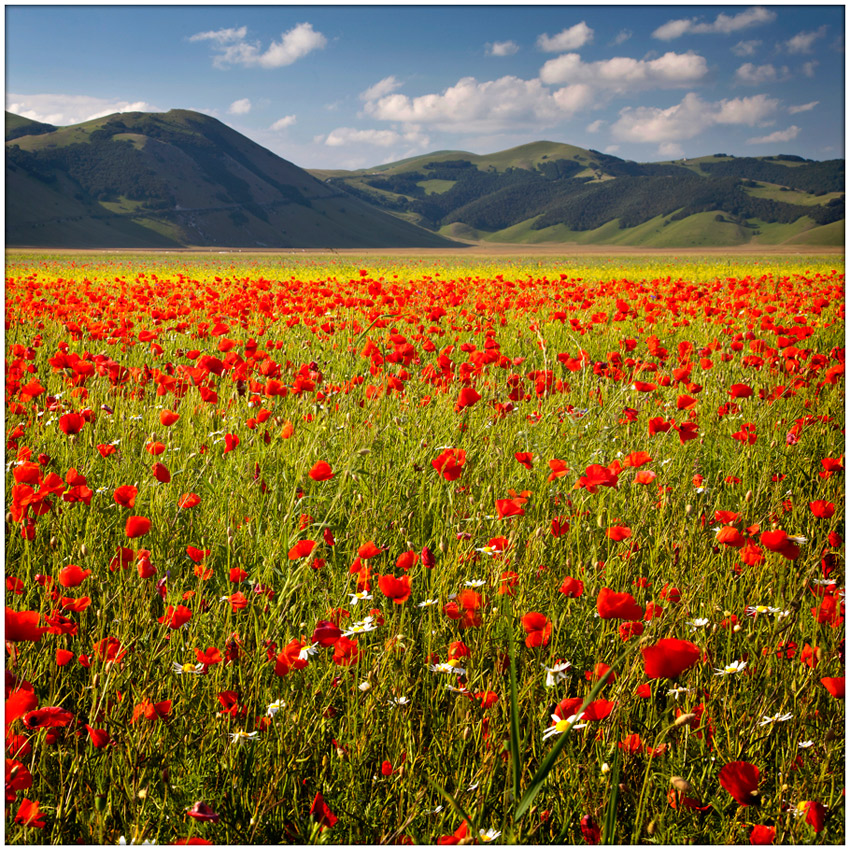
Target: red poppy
[(289, 659), (815, 814), (508, 508), (189, 500), (105, 450), (125, 495), (465, 607), (23, 626), (669, 657), (208, 656), (559, 469), (762, 834), (231, 441), (537, 629), (326, 633), (71, 423), (321, 471), (152, 711), (618, 533), (822, 509), (397, 589), (174, 618), (407, 560), (741, 780), (730, 536), (636, 459), (63, 657), (630, 630), (301, 549), (201, 811), (617, 606), (99, 737), (468, 396), (137, 526), (450, 463), (48, 717), (168, 418), (345, 652), (155, 448), (779, 541), (834, 685), (72, 575), (29, 814), (572, 587), (368, 550), (525, 458), (321, 814), (161, 473)]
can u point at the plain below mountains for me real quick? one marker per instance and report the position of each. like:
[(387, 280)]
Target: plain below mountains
[(177, 179)]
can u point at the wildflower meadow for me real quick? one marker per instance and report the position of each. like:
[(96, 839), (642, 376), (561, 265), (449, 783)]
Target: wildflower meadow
[(424, 551)]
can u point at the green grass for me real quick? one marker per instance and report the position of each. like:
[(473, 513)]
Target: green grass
[(338, 323)]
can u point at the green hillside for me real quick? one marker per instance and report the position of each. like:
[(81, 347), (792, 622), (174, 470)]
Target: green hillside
[(177, 178), (551, 192)]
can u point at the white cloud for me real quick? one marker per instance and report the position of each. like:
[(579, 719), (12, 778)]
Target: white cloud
[(753, 75), (803, 41), (722, 24), (240, 107), (491, 106), (778, 136), (233, 49), (670, 149), (621, 37), (595, 126), (809, 68), (64, 109), (345, 136), (224, 36), (502, 48), (380, 89), (746, 48), (803, 107), (567, 39), (283, 123), (689, 118), (612, 149), (622, 73)]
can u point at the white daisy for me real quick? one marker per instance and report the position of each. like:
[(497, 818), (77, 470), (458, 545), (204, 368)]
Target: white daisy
[(451, 666), (776, 718), (557, 673), (188, 667), (427, 602), (560, 725), (240, 738), (730, 669)]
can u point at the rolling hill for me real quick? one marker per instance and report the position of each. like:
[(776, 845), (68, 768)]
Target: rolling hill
[(156, 180), (551, 192), (180, 178)]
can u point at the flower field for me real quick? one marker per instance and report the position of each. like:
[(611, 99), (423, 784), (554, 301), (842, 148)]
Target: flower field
[(412, 551)]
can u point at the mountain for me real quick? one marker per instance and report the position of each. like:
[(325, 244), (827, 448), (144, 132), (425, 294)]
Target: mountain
[(551, 192), (156, 180)]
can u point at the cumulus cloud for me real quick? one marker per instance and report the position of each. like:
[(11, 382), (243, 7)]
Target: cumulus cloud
[(240, 107), (283, 123), (778, 136), (809, 67), (746, 48), (379, 138), (502, 48), (753, 75), (689, 118), (595, 126), (722, 24), (380, 89), (232, 48), (471, 106), (621, 37), (803, 107), (670, 149), (621, 73), (803, 41), (64, 109), (567, 39)]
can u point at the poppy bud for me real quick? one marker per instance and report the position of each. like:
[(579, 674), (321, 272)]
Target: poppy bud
[(651, 828), (53, 542), (84, 550), (688, 508), (100, 802), (749, 496), (681, 720), (678, 782)]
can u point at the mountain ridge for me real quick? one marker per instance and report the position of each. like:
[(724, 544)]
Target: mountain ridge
[(182, 178)]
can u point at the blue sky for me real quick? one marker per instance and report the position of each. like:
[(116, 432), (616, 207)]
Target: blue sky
[(353, 86)]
